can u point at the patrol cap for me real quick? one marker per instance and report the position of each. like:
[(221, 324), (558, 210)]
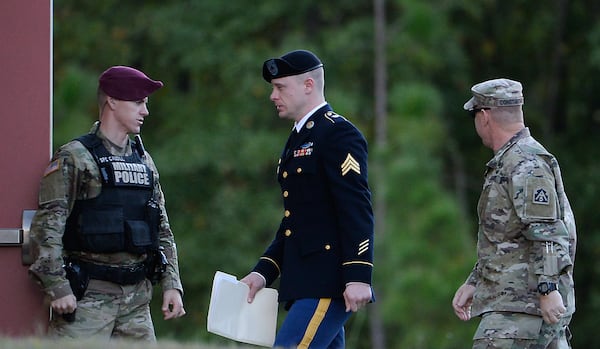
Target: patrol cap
[(292, 63), (127, 84), (495, 93)]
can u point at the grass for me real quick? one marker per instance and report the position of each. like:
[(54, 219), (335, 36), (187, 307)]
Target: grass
[(45, 343)]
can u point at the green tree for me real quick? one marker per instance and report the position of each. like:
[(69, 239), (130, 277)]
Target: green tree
[(216, 139)]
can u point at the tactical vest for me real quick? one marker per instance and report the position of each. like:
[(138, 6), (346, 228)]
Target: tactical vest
[(124, 217)]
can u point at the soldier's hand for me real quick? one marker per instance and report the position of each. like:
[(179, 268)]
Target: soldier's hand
[(172, 306), (462, 301), (255, 282), (552, 307), (357, 295), (64, 305)]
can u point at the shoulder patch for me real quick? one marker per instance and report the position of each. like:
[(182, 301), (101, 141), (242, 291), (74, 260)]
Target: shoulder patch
[(52, 167), (540, 198)]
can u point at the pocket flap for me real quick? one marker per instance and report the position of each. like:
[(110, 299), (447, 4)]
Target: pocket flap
[(507, 325), (139, 232), (102, 221)]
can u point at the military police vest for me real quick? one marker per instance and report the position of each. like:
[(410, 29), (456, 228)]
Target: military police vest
[(124, 217)]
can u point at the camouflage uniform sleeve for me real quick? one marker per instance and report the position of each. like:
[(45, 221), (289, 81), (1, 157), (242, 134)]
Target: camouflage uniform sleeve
[(473, 278), (171, 278), (58, 190), (537, 205)]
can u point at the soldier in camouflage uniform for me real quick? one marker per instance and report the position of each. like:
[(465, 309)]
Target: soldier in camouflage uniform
[(522, 284), (102, 210)]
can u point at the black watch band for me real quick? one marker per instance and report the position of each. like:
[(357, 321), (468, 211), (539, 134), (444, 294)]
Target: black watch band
[(544, 288)]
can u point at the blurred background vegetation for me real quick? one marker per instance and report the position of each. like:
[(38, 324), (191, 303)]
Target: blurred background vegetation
[(216, 138)]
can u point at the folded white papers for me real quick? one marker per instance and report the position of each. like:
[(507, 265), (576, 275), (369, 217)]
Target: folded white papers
[(231, 316)]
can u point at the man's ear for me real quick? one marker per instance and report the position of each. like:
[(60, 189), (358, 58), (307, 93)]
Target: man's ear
[(111, 102), (309, 84), (487, 116)]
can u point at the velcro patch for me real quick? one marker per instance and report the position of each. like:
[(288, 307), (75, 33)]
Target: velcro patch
[(540, 198), (52, 167)]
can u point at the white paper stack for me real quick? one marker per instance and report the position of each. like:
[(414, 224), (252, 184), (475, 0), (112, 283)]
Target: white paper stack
[(231, 316)]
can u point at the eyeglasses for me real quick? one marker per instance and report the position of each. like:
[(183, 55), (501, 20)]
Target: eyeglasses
[(473, 112)]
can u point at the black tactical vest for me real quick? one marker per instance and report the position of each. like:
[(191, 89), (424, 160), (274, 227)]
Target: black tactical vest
[(124, 217)]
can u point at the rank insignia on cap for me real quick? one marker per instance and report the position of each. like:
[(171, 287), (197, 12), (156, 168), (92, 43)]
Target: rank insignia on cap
[(540, 196), (350, 164), (272, 67)]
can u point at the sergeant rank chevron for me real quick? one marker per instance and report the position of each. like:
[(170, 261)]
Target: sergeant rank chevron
[(350, 164)]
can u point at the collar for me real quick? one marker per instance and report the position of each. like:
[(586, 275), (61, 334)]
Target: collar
[(523, 133), (298, 125), (110, 146)]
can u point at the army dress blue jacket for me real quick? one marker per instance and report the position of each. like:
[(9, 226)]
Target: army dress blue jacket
[(325, 239)]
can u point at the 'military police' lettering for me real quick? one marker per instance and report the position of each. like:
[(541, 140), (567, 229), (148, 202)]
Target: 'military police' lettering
[(130, 173)]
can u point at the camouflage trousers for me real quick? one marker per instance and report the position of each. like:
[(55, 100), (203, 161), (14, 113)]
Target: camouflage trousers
[(108, 310), (520, 331)]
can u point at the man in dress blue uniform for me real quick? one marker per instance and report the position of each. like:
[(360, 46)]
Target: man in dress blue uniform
[(323, 249)]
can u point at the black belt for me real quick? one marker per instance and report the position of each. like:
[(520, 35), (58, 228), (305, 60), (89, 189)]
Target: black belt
[(119, 275)]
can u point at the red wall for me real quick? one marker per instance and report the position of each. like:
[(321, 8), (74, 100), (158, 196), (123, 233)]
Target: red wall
[(25, 146)]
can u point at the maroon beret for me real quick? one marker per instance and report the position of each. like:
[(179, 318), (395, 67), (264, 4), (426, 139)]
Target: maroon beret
[(127, 84)]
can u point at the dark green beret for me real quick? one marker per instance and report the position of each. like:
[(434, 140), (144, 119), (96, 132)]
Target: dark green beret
[(292, 63)]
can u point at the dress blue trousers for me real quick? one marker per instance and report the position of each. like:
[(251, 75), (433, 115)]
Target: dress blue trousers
[(314, 323)]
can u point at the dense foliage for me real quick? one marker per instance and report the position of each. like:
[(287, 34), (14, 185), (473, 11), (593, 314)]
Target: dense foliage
[(216, 138)]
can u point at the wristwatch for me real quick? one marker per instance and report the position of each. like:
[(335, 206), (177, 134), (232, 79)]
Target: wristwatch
[(546, 287)]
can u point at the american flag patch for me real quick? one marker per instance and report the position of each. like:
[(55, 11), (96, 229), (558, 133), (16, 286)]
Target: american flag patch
[(53, 166)]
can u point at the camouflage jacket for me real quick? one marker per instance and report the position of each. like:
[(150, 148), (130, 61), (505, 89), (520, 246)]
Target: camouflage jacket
[(73, 175), (526, 230)]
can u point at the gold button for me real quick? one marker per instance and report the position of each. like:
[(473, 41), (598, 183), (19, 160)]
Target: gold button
[(284, 174), (287, 213), (286, 194), (328, 247), (288, 232), (299, 170)]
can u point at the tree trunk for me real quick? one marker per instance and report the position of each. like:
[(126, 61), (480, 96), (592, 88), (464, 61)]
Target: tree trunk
[(380, 98)]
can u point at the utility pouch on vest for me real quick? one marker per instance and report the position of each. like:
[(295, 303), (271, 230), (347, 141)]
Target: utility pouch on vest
[(137, 236), (156, 265), (153, 220), (103, 229)]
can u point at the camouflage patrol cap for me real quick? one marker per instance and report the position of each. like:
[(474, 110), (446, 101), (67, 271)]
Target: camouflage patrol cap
[(292, 63), (495, 93), (127, 84)]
